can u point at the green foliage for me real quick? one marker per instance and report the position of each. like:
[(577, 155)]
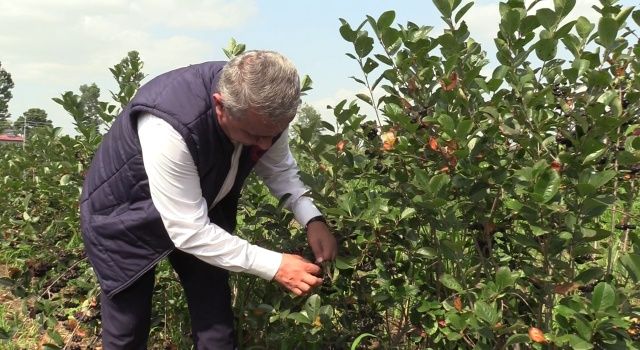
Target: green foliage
[(474, 207), (91, 106), (6, 84), (474, 210), (128, 74), (234, 49), (42, 246), (309, 120), (31, 119)]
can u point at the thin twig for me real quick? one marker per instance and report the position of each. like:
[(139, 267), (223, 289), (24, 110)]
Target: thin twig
[(70, 340), (46, 291)]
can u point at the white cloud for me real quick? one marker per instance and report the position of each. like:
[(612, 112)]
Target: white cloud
[(582, 8), (484, 19), (71, 32), (73, 42), (199, 13), (321, 103)]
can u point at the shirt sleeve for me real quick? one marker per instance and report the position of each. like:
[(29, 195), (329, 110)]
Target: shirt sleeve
[(176, 194), (279, 171)]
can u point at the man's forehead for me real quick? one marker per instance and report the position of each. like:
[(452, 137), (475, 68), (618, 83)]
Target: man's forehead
[(260, 125)]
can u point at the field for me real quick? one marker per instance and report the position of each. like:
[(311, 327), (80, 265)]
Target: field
[(473, 210)]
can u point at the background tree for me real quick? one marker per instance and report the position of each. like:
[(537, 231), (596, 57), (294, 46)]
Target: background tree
[(309, 117), (6, 84), (308, 121), (89, 95), (35, 118)]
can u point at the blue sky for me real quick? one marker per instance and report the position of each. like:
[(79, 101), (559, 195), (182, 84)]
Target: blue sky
[(54, 46)]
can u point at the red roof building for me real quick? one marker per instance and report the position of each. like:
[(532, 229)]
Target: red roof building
[(10, 139)]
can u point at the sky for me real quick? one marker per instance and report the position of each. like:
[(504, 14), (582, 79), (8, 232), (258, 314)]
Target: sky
[(53, 46)]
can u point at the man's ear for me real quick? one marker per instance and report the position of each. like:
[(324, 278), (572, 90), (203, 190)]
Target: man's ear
[(217, 101)]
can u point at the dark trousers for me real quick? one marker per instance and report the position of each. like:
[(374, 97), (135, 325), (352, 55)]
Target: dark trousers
[(126, 317)]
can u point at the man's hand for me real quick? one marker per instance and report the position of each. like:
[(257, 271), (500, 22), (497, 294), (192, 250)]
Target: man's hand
[(322, 242), (297, 274)]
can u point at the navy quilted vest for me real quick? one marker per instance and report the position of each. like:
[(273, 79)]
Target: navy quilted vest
[(123, 233)]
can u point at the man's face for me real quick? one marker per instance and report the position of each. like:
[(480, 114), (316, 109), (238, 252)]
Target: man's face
[(249, 130)]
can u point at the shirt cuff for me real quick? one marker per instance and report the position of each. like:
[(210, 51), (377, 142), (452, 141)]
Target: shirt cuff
[(304, 210), (266, 263)]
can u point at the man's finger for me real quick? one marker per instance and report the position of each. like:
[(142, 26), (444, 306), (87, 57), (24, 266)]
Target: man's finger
[(312, 280), (312, 269), (317, 250)]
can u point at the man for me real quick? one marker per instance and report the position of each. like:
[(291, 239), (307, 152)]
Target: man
[(165, 182)]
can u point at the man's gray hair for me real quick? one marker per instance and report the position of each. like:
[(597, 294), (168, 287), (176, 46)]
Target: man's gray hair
[(262, 82)]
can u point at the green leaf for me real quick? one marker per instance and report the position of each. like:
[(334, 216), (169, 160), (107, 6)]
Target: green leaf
[(593, 208), (528, 25), (386, 19), (547, 18), (446, 122), (546, 49), (600, 179), (306, 83), (312, 306), (444, 6), (594, 235), (427, 252), (64, 180), (631, 262), (564, 30), (327, 126), (450, 282), (632, 144), (464, 128), (607, 31), (344, 263), (365, 98), (636, 16), (390, 38), (593, 156), (578, 343), (300, 317), (500, 72), (622, 16), (437, 182), (590, 274), (6, 334), (547, 186), (56, 337), (363, 44), (626, 158), (504, 278), (6, 282), (510, 21), (369, 65), (581, 66), (486, 312), (517, 339), (407, 212), (357, 341), (384, 59), (347, 33), (463, 11), (584, 27), (603, 298), (563, 7)]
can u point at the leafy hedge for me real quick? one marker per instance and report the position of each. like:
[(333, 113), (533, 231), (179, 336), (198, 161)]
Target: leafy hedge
[(481, 206)]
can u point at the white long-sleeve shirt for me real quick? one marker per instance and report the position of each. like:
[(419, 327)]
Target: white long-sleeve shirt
[(175, 191)]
